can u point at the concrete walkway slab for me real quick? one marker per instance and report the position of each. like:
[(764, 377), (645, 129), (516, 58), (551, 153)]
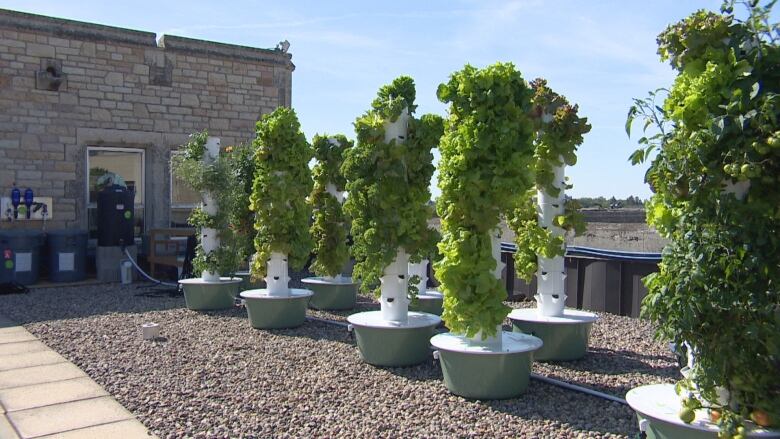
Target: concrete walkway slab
[(67, 416), (6, 429), (30, 359), (121, 429), (41, 395), (22, 347), (39, 374), (15, 335)]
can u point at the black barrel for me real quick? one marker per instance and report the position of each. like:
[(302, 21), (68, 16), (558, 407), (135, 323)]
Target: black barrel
[(115, 216), (67, 251)]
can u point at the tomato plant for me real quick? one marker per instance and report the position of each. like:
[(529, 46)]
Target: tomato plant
[(221, 179), (715, 176)]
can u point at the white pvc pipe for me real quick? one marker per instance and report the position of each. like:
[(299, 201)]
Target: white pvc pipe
[(212, 149), (495, 247), (739, 189), (277, 277), (398, 130), (209, 239), (337, 194), (419, 269), (551, 274), (394, 302), (490, 341), (577, 388), (331, 188)]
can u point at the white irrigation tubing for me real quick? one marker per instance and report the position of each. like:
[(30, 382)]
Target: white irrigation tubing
[(577, 388), (534, 376), (159, 282)]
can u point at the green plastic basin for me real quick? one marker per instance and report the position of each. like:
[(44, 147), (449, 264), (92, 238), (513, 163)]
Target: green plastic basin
[(383, 343), (431, 302), (657, 407), (274, 312), (332, 294), (565, 338), (247, 283), (200, 295), (486, 373)]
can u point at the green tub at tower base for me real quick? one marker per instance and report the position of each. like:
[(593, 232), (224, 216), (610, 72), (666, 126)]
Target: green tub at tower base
[(657, 407), (477, 371), (394, 346), (202, 295), (565, 337), (561, 342), (332, 294), (431, 302), (269, 312), (247, 283), (657, 429), (486, 376)]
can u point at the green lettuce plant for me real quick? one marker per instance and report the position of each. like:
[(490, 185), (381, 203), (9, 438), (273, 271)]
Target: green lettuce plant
[(388, 184), (281, 184), (329, 229), (219, 178), (715, 176), (559, 131), (487, 154)]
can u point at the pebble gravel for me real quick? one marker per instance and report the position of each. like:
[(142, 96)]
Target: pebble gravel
[(211, 375)]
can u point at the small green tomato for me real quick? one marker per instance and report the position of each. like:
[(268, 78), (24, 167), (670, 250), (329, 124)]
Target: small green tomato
[(687, 415)]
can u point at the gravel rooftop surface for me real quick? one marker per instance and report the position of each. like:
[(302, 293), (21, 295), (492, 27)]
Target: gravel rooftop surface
[(212, 375)]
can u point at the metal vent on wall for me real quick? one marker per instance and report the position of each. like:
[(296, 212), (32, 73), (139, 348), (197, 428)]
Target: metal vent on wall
[(50, 76)]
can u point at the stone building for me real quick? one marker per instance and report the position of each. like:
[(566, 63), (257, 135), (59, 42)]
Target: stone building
[(79, 99)]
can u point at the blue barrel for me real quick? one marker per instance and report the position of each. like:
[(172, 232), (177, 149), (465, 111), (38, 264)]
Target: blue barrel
[(67, 252), (20, 255)]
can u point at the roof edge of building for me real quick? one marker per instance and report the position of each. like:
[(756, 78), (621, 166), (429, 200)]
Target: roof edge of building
[(66, 28)]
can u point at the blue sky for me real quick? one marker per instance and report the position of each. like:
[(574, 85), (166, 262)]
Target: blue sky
[(599, 54)]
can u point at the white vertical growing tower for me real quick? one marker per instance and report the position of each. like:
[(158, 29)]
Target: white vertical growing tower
[(209, 236), (282, 184), (486, 153), (540, 230), (331, 289), (551, 274), (201, 167), (388, 173)]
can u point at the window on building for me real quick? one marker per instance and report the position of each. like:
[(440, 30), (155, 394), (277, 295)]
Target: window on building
[(115, 165), (183, 199)]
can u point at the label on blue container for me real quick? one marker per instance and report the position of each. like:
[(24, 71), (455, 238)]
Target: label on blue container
[(23, 262)]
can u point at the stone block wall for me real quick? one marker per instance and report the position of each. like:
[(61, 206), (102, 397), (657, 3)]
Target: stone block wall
[(67, 85)]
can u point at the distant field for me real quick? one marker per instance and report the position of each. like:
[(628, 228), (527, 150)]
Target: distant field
[(618, 229)]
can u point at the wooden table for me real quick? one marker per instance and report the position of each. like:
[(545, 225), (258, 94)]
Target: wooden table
[(164, 248)]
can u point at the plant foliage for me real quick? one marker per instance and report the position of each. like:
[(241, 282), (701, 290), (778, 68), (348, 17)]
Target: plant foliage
[(329, 229), (281, 184), (486, 158), (718, 128), (220, 178), (388, 184), (559, 131)]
